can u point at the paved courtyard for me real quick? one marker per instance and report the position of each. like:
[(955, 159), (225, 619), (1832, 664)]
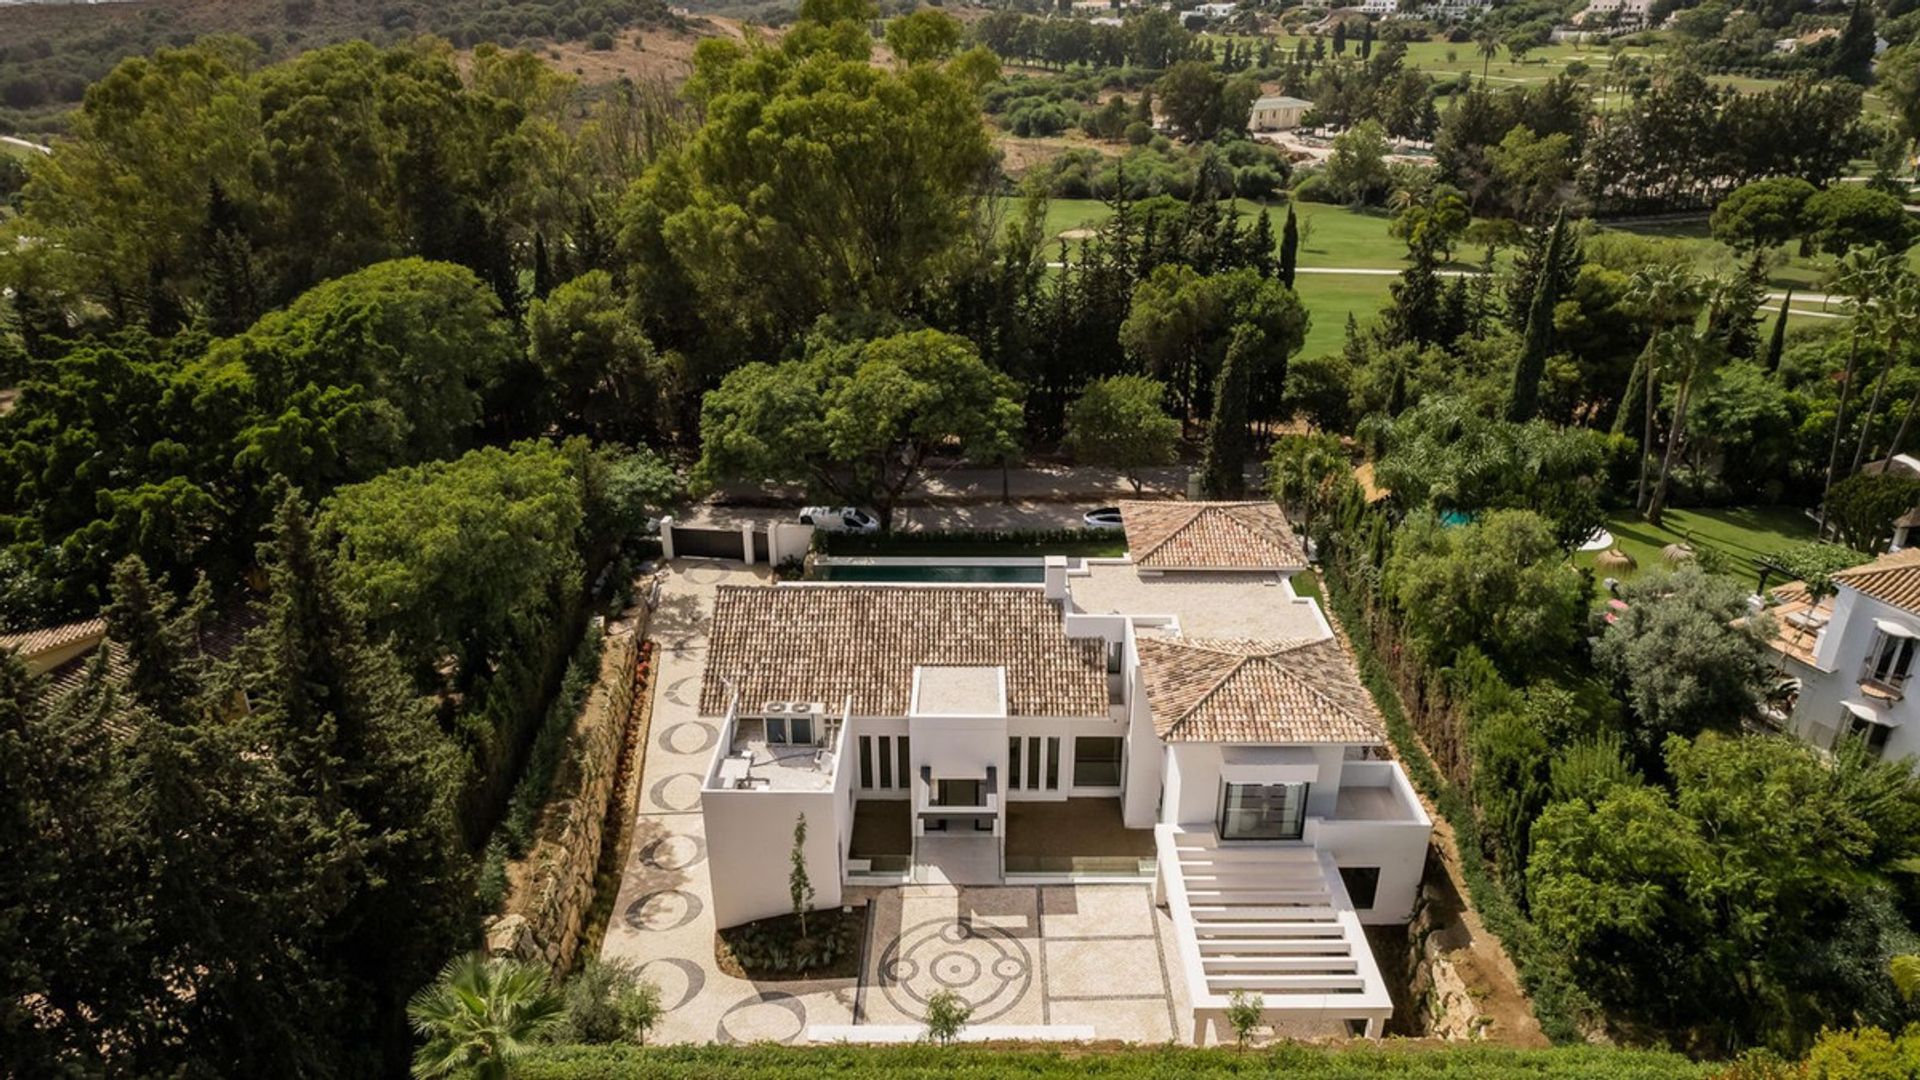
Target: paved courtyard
[(1087, 954)]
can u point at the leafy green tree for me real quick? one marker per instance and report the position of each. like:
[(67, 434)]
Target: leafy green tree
[(1765, 213), (817, 183), (458, 558), (799, 885), (608, 1002), (924, 36), (1683, 655), (1357, 171), (1244, 1014), (480, 1016), (1847, 216), (858, 420), (1307, 475), (1500, 583), (602, 370), (1861, 509), (947, 1015), (1121, 422)]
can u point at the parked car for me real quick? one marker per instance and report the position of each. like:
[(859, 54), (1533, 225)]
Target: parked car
[(839, 519), (1107, 517)]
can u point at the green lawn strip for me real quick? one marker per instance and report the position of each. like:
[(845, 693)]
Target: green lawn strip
[(1557, 999), (922, 1061), (1745, 535), (1329, 297)]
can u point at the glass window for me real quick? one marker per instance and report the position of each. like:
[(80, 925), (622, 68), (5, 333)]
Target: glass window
[(802, 730), (1263, 811), (886, 764), (777, 731), (1033, 763), (1894, 660), (1363, 884), (1053, 763), (905, 770), (1013, 763), (1096, 761), (1874, 735), (866, 761)]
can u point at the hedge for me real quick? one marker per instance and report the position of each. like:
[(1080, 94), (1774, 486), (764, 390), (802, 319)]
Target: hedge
[(924, 1062)]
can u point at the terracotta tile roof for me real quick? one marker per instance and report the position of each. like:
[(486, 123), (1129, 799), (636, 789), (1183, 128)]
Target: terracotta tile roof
[(1893, 578), (1797, 621), (1234, 690), (31, 643), (1210, 536), (828, 642)]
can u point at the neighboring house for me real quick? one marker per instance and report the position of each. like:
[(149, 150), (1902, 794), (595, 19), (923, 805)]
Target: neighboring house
[(1906, 530), (1177, 716), (1277, 113), (58, 652), (1853, 657), (1615, 12), (1380, 8), (1215, 11)]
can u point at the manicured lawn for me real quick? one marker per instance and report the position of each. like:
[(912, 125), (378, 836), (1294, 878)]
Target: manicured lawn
[(1745, 535), (1807, 272), (1442, 59), (1328, 298)]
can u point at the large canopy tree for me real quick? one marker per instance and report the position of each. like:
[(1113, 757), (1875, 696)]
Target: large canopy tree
[(859, 420)]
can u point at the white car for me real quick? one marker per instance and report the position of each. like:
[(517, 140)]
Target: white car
[(1107, 517), (839, 519)]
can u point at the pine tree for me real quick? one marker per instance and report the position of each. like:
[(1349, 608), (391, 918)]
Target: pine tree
[(1736, 319), (231, 285), (1777, 345), (1340, 38), (1524, 403), (1852, 56), (1224, 462), (1289, 248), (1366, 41), (370, 788)]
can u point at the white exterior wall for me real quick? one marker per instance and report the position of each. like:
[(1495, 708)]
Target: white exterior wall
[(750, 838), (1398, 848), (1839, 654)]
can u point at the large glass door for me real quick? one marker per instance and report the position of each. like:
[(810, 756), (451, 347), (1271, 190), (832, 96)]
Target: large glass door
[(1262, 811)]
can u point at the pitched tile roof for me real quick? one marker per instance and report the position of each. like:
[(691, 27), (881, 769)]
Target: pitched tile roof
[(1893, 578), (828, 642), (1210, 536), (1240, 691), (32, 643)]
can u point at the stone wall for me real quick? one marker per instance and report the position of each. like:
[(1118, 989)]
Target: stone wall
[(551, 889)]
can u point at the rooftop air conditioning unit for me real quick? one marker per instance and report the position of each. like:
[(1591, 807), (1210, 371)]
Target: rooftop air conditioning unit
[(774, 708)]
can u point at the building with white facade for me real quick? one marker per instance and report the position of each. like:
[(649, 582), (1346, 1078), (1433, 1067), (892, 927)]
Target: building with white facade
[(1178, 716), (1277, 112), (1852, 655)]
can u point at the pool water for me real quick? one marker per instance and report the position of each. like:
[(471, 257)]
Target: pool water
[(948, 575)]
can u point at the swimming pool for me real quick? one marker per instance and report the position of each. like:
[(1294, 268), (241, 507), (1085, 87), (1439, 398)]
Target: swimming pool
[(941, 574)]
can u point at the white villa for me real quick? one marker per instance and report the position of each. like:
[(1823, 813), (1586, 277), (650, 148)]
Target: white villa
[(1179, 715), (1853, 654), (1278, 113)]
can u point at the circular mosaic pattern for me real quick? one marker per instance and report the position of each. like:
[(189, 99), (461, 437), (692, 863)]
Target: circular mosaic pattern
[(678, 792), (769, 1016), (706, 575), (667, 909), (684, 974), (986, 966), (684, 691), (677, 740), (672, 853)]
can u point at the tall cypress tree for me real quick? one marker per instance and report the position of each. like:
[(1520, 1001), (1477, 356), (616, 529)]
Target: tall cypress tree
[(1259, 245), (1777, 344), (1524, 403), (1289, 248), (1224, 463)]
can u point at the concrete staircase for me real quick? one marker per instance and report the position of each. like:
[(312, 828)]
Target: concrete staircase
[(1265, 920)]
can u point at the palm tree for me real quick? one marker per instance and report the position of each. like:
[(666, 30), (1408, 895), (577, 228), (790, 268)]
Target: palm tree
[(1862, 275), (1663, 295), (1894, 310), (1302, 473), (1690, 356), (480, 1015), (1488, 43)]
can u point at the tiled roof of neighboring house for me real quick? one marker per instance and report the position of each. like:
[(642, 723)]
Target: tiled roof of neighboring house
[(827, 643), (1210, 536), (30, 643), (1282, 101), (219, 637), (1893, 578), (1908, 520), (1797, 620), (1241, 691)]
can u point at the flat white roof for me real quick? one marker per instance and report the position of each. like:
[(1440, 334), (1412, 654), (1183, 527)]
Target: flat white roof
[(959, 691)]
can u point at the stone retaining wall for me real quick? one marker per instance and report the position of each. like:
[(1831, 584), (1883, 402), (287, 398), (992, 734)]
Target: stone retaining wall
[(551, 888)]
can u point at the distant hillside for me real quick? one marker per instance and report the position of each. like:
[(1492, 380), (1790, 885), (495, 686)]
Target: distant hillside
[(49, 51)]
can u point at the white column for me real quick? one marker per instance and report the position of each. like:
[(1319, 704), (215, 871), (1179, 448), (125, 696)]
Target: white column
[(666, 537), (1056, 580), (746, 543)]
